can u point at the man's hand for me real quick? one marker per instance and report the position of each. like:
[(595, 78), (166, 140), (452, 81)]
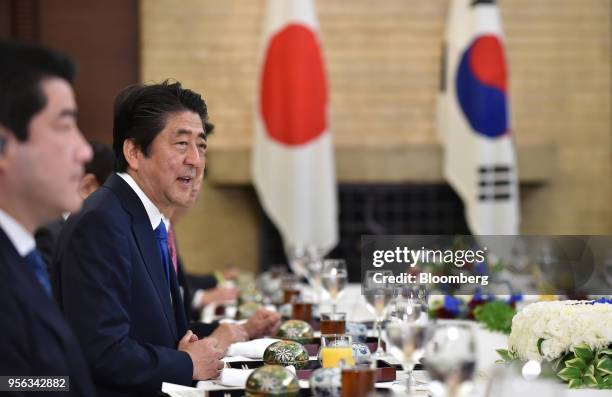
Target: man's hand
[(205, 354), (219, 295), (263, 322), (226, 334)]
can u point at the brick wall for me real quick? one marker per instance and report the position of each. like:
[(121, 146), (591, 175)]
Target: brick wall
[(383, 66)]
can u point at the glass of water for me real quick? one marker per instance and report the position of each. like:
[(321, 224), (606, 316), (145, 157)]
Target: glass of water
[(450, 359), (334, 278), (406, 334), (378, 293)]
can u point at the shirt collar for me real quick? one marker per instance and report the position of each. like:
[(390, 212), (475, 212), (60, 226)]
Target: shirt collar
[(155, 216), (22, 240)]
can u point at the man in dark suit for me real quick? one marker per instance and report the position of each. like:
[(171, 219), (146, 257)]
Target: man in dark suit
[(42, 154), (117, 285)]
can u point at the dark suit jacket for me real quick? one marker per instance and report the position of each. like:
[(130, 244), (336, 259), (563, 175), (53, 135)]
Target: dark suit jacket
[(114, 293), (34, 337), (46, 238)]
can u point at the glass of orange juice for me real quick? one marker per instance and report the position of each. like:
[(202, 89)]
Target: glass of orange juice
[(336, 351)]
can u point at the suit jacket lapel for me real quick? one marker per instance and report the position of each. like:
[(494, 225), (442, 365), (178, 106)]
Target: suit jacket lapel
[(147, 244)]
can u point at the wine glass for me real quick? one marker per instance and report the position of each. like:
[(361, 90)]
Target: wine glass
[(406, 333), (334, 278), (378, 293), (415, 295), (450, 359)]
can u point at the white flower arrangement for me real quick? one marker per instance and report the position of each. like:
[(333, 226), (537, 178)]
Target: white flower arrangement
[(547, 330), (575, 337)]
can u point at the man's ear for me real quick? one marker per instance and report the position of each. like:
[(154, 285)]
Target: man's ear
[(132, 154)]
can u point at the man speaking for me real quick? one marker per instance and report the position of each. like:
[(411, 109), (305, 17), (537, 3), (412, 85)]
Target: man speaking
[(117, 285)]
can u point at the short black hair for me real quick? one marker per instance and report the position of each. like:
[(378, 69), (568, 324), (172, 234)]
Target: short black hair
[(22, 67), (102, 163), (141, 111)]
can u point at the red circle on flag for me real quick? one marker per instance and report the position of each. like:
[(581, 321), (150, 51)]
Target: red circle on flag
[(488, 62), (293, 87)]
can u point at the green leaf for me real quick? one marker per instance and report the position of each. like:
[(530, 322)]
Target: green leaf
[(605, 383), (576, 363), (606, 351), (540, 346), (590, 370), (584, 352), (589, 380), (496, 316), (575, 383), (568, 373), (605, 365), (505, 354)]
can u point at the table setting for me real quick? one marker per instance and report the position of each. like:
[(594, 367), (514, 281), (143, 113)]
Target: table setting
[(336, 342)]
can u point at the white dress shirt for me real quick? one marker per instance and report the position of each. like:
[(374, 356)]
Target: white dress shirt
[(22, 240), (155, 216)]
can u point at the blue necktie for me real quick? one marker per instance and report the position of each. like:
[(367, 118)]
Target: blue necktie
[(162, 243), (40, 270)]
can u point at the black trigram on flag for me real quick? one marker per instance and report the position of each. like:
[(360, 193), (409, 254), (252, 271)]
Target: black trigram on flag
[(495, 182)]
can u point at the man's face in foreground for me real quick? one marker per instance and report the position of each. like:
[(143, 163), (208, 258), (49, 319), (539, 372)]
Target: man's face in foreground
[(46, 169)]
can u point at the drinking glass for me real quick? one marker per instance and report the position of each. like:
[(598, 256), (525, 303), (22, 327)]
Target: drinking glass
[(406, 334), (358, 381), (333, 323), (450, 359), (291, 287), (334, 278), (336, 350), (407, 309), (301, 310), (378, 295)]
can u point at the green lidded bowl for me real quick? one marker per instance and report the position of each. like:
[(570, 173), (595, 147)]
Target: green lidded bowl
[(272, 381), (286, 352), (296, 330)]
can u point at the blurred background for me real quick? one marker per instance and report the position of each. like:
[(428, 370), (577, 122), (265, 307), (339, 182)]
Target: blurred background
[(383, 65)]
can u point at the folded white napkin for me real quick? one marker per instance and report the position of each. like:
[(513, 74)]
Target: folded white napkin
[(234, 376), (238, 377), (251, 349), (175, 390)]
